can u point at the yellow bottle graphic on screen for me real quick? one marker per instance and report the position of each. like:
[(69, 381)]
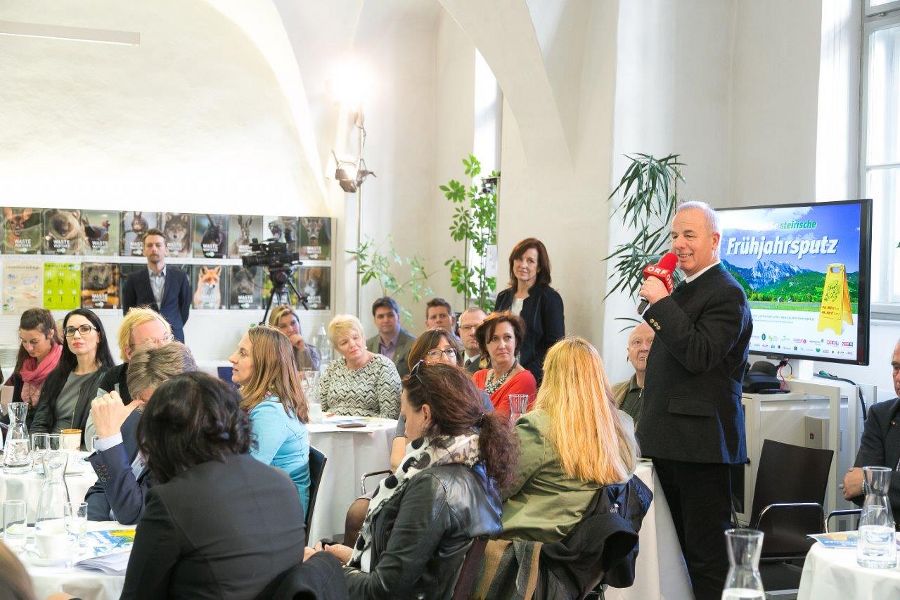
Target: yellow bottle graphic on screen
[(835, 308)]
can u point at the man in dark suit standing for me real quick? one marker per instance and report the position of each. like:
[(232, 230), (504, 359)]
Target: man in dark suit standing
[(692, 423), (164, 289)]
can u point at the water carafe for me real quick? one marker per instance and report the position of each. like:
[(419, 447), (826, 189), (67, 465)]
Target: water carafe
[(323, 345), (875, 547), (16, 451), (743, 581), (51, 509)]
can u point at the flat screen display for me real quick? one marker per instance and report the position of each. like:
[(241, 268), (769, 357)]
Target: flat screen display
[(805, 270)]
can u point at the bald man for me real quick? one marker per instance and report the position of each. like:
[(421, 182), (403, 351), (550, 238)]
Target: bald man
[(629, 395)]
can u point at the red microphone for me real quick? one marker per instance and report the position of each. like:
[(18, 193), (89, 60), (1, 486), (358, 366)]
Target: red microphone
[(662, 271)]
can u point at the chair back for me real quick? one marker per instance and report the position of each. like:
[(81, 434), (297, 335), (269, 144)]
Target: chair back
[(790, 475), (317, 460), (468, 573)]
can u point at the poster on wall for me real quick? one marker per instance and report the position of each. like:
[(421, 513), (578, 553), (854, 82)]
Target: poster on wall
[(99, 285), (64, 232), (62, 286), (210, 236), (22, 230), (23, 285), (315, 284), (315, 238), (245, 287), (281, 229), (241, 230), (209, 283), (101, 230), (177, 229), (134, 225)]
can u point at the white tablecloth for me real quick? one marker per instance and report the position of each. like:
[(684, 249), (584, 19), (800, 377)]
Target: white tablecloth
[(833, 574), (88, 585), (350, 452), (27, 486), (660, 572)]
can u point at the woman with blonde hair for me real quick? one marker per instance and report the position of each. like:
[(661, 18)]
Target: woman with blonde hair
[(573, 443), (360, 382), (263, 367)]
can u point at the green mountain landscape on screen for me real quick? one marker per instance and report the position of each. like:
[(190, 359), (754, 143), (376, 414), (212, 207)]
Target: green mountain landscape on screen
[(770, 281)]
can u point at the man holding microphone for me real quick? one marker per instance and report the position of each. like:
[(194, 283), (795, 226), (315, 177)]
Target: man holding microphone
[(692, 424)]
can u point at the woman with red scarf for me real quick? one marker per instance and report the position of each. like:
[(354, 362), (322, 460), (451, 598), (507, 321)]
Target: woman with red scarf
[(38, 356)]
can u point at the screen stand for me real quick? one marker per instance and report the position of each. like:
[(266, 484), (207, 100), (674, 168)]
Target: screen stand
[(804, 370)]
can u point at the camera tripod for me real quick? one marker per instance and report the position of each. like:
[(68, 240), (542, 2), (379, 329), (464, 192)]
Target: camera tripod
[(281, 279)]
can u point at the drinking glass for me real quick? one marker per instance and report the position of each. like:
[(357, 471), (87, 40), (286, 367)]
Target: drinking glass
[(875, 547), (40, 443), (76, 520), (92, 443), (15, 524), (518, 406), (54, 442)]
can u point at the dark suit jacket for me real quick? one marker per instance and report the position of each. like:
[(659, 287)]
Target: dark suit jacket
[(405, 343), (117, 488), (176, 301), (880, 446), (545, 324), (45, 412), (218, 530), (692, 389)]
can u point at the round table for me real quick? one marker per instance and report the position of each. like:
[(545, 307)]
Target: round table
[(833, 573), (351, 452), (27, 486)]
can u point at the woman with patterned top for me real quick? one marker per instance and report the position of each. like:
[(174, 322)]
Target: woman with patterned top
[(500, 336), (263, 367), (360, 382)]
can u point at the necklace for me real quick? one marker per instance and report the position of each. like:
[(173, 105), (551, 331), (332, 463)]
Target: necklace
[(492, 384)]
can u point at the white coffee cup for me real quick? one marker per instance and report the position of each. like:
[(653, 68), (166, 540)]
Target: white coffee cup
[(51, 539), (315, 413)]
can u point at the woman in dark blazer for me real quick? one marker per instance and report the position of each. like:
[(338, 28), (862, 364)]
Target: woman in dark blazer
[(218, 523), (530, 296)]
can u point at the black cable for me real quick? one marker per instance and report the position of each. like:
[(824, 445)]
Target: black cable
[(862, 403)]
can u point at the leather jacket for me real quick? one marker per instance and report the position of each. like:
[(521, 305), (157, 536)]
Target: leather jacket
[(420, 536)]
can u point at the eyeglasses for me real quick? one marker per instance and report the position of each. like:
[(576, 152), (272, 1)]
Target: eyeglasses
[(436, 353), (414, 372), (82, 329), (155, 341)]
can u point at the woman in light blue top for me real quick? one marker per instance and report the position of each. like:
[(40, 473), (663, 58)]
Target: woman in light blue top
[(263, 365)]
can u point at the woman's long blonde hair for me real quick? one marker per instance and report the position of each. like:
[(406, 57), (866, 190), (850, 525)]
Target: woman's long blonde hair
[(585, 428), (273, 373)]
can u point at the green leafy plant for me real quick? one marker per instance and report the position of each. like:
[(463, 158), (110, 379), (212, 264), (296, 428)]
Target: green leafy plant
[(649, 191), (475, 224), (380, 266)]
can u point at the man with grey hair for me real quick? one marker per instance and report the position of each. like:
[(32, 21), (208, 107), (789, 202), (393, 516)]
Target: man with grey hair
[(880, 444), (122, 476), (692, 425), (469, 321)]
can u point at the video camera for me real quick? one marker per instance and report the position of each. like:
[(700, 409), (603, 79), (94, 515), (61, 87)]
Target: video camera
[(270, 254)]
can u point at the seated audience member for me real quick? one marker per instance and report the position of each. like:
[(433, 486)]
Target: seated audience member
[(360, 382), (68, 391), (285, 319), (392, 340), (423, 518), (880, 445), (439, 315), (629, 395), (271, 394), (141, 328), (433, 347), (571, 444), (500, 336), (218, 523), (39, 353), (469, 321), (122, 476)]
